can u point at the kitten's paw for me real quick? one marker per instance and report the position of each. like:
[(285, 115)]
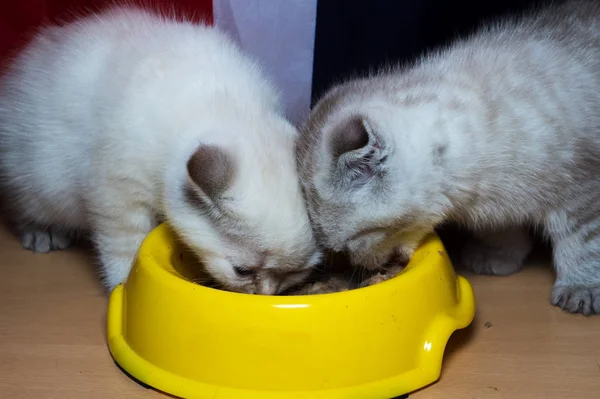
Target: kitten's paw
[(577, 298), (496, 252), (44, 241), (487, 260)]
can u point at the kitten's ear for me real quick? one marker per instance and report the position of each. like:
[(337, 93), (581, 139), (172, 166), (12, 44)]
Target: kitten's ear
[(212, 170), (356, 148), (349, 136)]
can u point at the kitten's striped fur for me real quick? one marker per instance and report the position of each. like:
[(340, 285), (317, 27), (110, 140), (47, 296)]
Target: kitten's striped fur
[(498, 132)]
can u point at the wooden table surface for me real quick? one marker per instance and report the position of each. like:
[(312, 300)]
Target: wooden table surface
[(52, 342)]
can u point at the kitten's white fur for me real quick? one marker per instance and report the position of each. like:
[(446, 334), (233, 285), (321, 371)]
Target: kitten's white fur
[(98, 120), (496, 132)]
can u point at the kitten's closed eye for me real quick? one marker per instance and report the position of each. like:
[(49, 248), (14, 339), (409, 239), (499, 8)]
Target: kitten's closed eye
[(243, 272)]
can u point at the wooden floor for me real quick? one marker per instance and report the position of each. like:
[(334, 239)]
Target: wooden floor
[(52, 343)]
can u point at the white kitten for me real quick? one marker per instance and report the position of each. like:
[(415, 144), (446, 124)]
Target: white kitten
[(497, 132), (120, 120)]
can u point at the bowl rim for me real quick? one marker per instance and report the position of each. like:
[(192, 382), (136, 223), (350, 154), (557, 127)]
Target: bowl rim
[(153, 263)]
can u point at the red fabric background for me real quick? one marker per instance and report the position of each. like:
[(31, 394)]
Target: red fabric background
[(19, 18)]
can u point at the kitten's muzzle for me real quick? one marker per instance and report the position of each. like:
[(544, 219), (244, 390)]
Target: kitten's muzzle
[(376, 261), (373, 251), (267, 287)]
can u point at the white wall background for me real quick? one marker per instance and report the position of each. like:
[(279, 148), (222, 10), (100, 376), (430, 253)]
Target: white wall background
[(281, 35)]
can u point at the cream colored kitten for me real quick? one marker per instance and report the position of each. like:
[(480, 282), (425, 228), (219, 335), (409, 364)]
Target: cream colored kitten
[(497, 132), (117, 121)]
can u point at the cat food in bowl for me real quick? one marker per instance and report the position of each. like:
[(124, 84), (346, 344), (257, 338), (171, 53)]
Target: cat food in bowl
[(196, 342)]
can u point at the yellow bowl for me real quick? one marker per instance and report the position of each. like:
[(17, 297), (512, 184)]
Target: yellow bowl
[(196, 342)]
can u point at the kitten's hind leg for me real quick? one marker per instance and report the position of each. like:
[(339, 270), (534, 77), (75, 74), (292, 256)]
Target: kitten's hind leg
[(44, 240), (498, 252), (576, 251)]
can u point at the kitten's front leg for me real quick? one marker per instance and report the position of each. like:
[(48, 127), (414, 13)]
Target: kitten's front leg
[(496, 252), (576, 250), (118, 237)]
